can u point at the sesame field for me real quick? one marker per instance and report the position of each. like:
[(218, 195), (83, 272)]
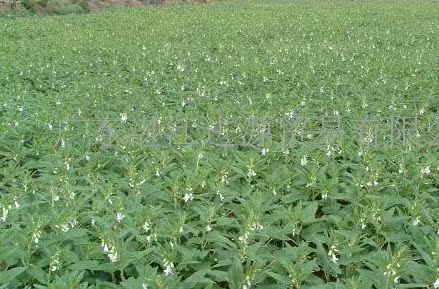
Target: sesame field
[(236, 144)]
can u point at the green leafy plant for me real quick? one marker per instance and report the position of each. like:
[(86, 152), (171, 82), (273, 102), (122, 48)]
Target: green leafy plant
[(243, 144)]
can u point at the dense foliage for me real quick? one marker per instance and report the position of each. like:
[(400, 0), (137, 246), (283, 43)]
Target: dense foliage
[(81, 210)]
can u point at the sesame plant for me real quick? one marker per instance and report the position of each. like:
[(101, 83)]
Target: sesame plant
[(218, 146)]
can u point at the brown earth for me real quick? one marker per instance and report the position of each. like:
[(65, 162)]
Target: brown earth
[(2, 6)]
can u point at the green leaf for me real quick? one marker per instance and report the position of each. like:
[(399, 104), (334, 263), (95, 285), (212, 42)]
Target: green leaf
[(198, 278), (236, 275), (9, 275)]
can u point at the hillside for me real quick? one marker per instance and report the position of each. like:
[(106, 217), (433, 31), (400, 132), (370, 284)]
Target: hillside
[(57, 7)]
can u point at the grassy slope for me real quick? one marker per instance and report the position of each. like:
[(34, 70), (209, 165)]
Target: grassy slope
[(63, 7)]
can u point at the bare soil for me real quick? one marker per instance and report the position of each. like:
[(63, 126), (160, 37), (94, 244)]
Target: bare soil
[(2, 6)]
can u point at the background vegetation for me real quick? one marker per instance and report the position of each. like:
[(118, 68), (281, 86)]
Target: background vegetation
[(79, 211), (61, 7)]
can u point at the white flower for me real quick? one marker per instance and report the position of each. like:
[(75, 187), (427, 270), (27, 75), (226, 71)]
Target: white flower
[(303, 161), (363, 225), (110, 251), (17, 205), (105, 248), (333, 253), (225, 178), (208, 228), (396, 279), (188, 197), (334, 258), (426, 170), (146, 226), (168, 270), (389, 271), (257, 227), (119, 217), (169, 266), (392, 272), (87, 158), (244, 239), (54, 264), (36, 236), (416, 221), (123, 117), (290, 114), (5, 214), (324, 196), (180, 68), (264, 151), (113, 256), (436, 284), (144, 286), (329, 150), (251, 173), (247, 282), (55, 198), (65, 228), (53, 268)]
